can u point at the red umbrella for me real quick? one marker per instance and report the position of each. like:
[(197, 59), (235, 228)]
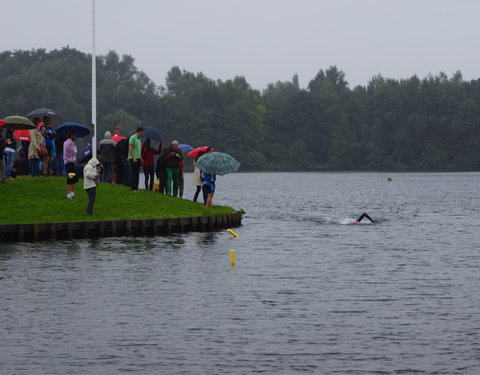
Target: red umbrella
[(22, 135), (194, 153), (117, 138), (2, 122)]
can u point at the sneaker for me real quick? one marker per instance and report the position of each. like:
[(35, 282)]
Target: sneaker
[(74, 196)]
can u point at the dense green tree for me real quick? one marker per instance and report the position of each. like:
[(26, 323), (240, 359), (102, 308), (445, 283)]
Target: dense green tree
[(429, 123)]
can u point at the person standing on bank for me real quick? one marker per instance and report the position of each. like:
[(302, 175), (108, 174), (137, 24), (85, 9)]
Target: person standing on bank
[(10, 147), (173, 157), (2, 161), (107, 156), (49, 134), (70, 157), (135, 157), (91, 176), (36, 141), (148, 154), (197, 178)]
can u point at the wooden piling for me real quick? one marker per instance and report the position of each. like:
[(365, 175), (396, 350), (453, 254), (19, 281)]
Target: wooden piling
[(141, 227)]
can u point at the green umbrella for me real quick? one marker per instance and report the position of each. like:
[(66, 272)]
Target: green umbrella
[(217, 163), (18, 123)]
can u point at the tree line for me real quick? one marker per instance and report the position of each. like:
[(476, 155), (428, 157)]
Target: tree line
[(389, 124)]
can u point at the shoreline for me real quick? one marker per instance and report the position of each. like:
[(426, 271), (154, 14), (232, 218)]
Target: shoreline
[(34, 232)]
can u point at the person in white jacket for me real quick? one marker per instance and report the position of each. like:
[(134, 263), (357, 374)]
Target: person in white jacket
[(91, 175)]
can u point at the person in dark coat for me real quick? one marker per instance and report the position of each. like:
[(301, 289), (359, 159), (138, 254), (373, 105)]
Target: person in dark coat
[(173, 157), (161, 172), (122, 167), (106, 153), (10, 148)]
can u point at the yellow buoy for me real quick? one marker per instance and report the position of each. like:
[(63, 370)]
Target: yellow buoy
[(232, 257), (232, 233)]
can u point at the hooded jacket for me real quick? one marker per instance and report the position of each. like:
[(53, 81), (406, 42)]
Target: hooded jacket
[(90, 174)]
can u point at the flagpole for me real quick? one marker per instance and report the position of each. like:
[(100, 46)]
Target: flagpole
[(94, 86)]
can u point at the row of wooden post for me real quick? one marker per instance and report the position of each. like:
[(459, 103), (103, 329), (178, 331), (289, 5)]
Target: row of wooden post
[(114, 228)]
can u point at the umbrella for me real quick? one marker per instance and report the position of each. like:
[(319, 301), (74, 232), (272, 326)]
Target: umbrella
[(117, 138), (18, 123), (150, 132), (67, 127), (22, 135), (42, 112), (194, 153), (185, 148), (86, 154), (217, 163), (2, 122)]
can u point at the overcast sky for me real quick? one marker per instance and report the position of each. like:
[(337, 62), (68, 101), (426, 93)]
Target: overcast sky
[(263, 40)]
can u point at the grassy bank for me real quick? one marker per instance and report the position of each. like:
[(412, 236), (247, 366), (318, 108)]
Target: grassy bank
[(43, 199)]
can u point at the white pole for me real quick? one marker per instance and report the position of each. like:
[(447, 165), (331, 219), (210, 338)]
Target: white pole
[(94, 86)]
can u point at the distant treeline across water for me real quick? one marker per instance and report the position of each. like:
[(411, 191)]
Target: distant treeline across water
[(408, 124)]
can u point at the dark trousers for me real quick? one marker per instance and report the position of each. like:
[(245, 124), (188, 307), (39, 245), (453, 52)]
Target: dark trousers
[(92, 193), (107, 175), (149, 176), (135, 173), (197, 193), (122, 169), (34, 167), (162, 178)]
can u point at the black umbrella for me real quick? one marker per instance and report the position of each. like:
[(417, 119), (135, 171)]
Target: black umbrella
[(151, 132), (43, 112)]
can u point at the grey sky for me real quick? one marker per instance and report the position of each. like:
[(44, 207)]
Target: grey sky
[(263, 40)]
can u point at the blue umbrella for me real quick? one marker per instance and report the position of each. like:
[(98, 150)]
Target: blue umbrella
[(185, 148), (67, 127), (86, 154), (150, 132)]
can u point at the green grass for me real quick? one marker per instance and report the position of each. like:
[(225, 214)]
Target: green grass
[(43, 200)]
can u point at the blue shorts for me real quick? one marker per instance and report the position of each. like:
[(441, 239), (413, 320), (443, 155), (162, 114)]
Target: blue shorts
[(209, 187)]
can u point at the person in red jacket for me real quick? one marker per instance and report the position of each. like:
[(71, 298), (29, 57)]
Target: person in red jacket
[(148, 153)]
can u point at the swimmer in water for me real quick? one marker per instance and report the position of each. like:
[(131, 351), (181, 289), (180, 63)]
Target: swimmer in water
[(362, 216)]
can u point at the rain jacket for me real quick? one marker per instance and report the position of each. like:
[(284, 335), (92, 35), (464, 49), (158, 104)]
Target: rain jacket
[(90, 173), (173, 161), (148, 154), (36, 140), (107, 149)]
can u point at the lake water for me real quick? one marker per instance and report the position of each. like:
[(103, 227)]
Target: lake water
[(310, 293)]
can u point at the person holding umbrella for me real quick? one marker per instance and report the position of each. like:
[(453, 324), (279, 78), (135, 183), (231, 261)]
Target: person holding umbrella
[(70, 157), (212, 164), (148, 153), (197, 178), (49, 135)]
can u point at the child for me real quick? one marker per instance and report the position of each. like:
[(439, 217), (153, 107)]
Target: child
[(91, 175)]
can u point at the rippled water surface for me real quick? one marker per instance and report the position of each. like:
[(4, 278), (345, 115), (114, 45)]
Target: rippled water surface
[(309, 294)]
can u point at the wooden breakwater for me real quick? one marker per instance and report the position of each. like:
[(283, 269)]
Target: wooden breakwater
[(118, 228)]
